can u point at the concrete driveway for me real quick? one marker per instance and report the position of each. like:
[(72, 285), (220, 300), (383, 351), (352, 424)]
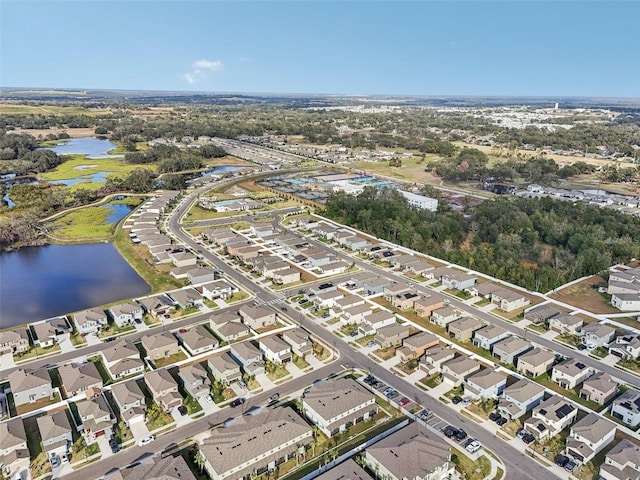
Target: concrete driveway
[(139, 430)]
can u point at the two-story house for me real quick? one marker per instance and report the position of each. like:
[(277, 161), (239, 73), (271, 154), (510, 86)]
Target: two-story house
[(520, 398), (551, 417), (157, 305), (566, 324), (30, 386), (187, 298), (622, 462), (588, 437), (90, 321), (126, 313), (486, 336), (391, 335), (334, 406), (275, 349), (299, 340), (195, 380), (570, 373), (96, 418), (224, 368), (508, 350), (217, 289), (597, 335), (434, 357), (249, 357), (599, 388), (462, 329), (130, 401), (541, 314), (164, 389), (257, 317), (413, 347), (371, 323), (14, 341), (485, 383), (55, 432), (354, 315), (457, 280), (626, 408), (14, 454), (46, 334), (160, 345), (445, 315), (455, 371), (83, 378), (198, 340), (122, 360), (424, 305), (535, 362), (626, 346), (508, 300)]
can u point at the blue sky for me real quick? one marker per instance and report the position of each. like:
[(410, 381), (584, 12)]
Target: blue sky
[(350, 47)]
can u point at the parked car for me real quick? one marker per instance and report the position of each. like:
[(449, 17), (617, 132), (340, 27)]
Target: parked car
[(493, 416), (64, 458), (473, 446), (456, 400), (497, 417), (115, 448), (274, 397), (237, 402), (404, 401), (466, 401), (501, 421), (242, 384), (55, 461), (562, 460), (393, 395), (450, 431), (146, 440), (327, 315), (569, 466), (521, 433), (369, 379), (387, 391), (528, 438), (425, 414), (461, 435), (371, 343), (182, 410), (352, 334), (582, 346), (208, 399)]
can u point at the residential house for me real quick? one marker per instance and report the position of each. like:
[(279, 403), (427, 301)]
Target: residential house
[(257, 317), (199, 275), (403, 261), (626, 346), (484, 290), (327, 299), (275, 349), (404, 301), (334, 406), (198, 340), (249, 357), (348, 301), (83, 378), (325, 230), (508, 350), (317, 257), (219, 236), (570, 373), (566, 324), (130, 401), (541, 314), (445, 315), (424, 305), (14, 454), (455, 371), (535, 362), (160, 345), (551, 417), (224, 368), (183, 259), (126, 313), (55, 432), (228, 326), (622, 462), (486, 383), (96, 418), (597, 335), (47, 333), (391, 335), (90, 321), (457, 280), (287, 275), (14, 341), (195, 380), (411, 453), (462, 329), (520, 398), (163, 388), (434, 357), (419, 268), (413, 347), (333, 268), (358, 280), (375, 285), (322, 288), (217, 289), (186, 298), (488, 335), (347, 470), (354, 315), (599, 388), (627, 302), (30, 386), (157, 305), (255, 444), (356, 243), (393, 289), (371, 323), (122, 360), (626, 408), (589, 437), (299, 340), (159, 468), (508, 300)]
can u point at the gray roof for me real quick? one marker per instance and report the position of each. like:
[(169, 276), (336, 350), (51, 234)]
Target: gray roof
[(601, 382), (330, 399), (246, 349), (465, 323), (79, 378), (486, 378), (93, 314), (568, 320), (275, 343), (598, 329), (193, 372), (125, 365), (296, 335), (445, 312), (347, 470), (12, 433), (185, 295), (544, 312), (121, 349), (420, 339), (461, 364), (127, 392), (21, 380), (629, 400), (96, 407), (159, 340), (411, 452), (167, 468), (255, 312), (593, 427), (231, 329), (125, 308), (626, 453), (223, 362), (490, 331), (571, 366), (380, 316), (536, 357), (159, 380), (53, 425), (511, 344), (393, 330), (555, 408), (198, 337), (523, 390), (249, 437), (11, 336)]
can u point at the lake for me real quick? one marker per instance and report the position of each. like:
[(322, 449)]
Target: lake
[(222, 169), (90, 146), (43, 282)]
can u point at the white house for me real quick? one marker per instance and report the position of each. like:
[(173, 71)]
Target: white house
[(588, 437), (275, 349), (626, 408)]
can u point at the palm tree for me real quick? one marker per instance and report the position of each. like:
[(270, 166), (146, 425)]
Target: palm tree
[(198, 459)]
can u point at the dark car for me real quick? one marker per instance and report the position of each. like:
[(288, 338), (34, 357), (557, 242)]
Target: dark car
[(369, 379), (498, 418), (237, 402), (501, 421), (461, 435), (582, 346), (561, 461), (528, 438), (493, 416), (456, 400), (569, 466), (115, 448), (183, 410), (450, 431)]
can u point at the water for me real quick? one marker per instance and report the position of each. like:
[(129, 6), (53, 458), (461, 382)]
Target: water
[(89, 146), (97, 177), (222, 169), (8, 201), (117, 212), (42, 282)]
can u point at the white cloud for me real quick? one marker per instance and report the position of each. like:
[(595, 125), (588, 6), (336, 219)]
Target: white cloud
[(200, 69)]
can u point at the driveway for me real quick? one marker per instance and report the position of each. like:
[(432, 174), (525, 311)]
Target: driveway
[(139, 430)]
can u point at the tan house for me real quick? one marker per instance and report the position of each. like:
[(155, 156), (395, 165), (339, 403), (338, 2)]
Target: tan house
[(455, 371), (14, 454), (299, 340), (445, 315), (130, 401), (195, 380), (30, 386), (425, 305), (599, 388), (160, 345), (564, 323), (391, 335), (198, 340), (413, 347), (164, 388), (14, 341), (83, 378), (434, 357), (404, 301), (535, 362), (508, 350), (224, 368), (257, 317), (96, 418), (463, 328)]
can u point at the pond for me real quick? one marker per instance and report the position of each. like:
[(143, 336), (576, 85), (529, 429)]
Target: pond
[(97, 177), (222, 169), (90, 146), (117, 211), (43, 282)]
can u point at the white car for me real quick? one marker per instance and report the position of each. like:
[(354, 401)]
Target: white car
[(63, 458), (208, 399), (473, 446), (146, 440), (55, 461)]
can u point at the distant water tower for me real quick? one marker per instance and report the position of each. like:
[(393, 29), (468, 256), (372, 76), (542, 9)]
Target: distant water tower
[(556, 107)]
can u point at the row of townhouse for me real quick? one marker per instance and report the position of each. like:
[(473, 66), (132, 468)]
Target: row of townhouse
[(624, 288)]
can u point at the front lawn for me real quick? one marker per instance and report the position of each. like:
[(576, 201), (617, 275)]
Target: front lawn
[(163, 362), (569, 339), (470, 469), (300, 362), (385, 353), (156, 416), (432, 381), (572, 394), (276, 371)]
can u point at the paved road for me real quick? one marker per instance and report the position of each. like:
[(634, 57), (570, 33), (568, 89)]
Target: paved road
[(514, 460)]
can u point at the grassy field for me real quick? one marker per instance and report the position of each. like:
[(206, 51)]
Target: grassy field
[(77, 166), (583, 295), (85, 223), (8, 109), (412, 169)]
